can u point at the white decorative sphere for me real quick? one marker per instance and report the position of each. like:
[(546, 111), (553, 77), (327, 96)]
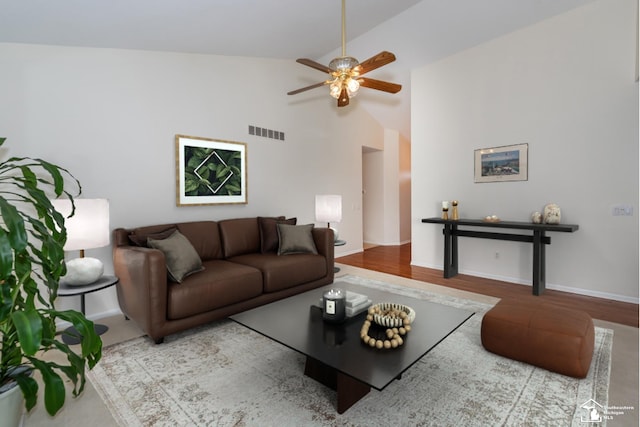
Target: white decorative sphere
[(82, 271)]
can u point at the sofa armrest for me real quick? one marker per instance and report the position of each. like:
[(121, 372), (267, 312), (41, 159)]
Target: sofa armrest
[(142, 287), (323, 238)]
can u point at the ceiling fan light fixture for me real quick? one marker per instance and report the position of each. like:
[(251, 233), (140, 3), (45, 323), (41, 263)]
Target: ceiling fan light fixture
[(343, 63), (344, 72), (352, 87), (341, 82), (335, 88)]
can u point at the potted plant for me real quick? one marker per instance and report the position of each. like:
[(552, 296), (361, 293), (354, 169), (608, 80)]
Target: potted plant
[(32, 238)]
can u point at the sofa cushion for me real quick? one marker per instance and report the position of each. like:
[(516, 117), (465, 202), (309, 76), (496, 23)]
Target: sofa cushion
[(222, 283), (205, 238), (269, 240), (239, 236), (296, 239), (283, 272), (139, 236), (180, 256)]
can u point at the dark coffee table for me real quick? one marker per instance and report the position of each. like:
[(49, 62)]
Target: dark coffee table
[(336, 356)]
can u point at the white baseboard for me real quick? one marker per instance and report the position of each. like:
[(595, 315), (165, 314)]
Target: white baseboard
[(345, 253), (403, 242), (520, 281)]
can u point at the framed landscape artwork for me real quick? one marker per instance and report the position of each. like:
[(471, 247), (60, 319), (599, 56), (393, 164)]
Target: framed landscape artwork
[(210, 171), (501, 164)]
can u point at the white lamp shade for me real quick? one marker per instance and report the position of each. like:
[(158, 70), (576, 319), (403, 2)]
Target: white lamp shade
[(89, 226), (328, 208)]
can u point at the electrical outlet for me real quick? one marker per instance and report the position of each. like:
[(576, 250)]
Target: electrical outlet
[(622, 210)]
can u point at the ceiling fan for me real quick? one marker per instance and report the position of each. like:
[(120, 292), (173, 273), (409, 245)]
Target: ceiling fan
[(345, 73)]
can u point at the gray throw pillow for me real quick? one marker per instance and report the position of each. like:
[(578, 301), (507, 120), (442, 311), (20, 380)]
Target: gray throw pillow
[(269, 232), (180, 255), (295, 239)]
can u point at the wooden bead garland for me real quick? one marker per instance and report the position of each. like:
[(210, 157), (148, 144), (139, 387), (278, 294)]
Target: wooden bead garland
[(394, 335)]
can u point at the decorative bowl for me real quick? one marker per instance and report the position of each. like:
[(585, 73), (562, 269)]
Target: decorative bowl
[(491, 218), (392, 315)]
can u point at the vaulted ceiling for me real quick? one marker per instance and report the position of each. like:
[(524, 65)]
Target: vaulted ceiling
[(256, 28), (417, 31)]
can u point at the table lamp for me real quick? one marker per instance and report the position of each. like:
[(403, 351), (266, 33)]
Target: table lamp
[(88, 228), (329, 209)]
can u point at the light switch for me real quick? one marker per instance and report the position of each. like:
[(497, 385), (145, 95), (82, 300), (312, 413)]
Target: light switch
[(622, 210)]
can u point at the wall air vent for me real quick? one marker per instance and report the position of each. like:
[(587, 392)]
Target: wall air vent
[(266, 133)]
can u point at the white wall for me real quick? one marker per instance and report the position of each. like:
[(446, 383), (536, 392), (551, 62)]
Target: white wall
[(566, 86), (387, 191), (391, 173), (110, 117), (373, 196), (405, 190)]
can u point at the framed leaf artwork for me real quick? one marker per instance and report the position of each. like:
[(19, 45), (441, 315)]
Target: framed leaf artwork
[(210, 171)]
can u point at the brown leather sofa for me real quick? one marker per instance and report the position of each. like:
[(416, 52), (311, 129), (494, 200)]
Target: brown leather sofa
[(240, 271)]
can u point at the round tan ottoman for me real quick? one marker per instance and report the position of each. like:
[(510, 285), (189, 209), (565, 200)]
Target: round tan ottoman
[(541, 334)]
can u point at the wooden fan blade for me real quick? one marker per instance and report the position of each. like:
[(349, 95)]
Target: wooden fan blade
[(313, 64), (343, 100), (383, 58), (379, 85), (303, 89)]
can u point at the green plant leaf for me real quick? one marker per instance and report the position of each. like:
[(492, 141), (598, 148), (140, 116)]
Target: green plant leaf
[(204, 173), (192, 163), (223, 172), (15, 225), (54, 171), (54, 392), (29, 328), (91, 342), (6, 302), (191, 185), (232, 189), (6, 255), (29, 387)]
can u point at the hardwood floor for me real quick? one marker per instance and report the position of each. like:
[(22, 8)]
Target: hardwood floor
[(396, 260)]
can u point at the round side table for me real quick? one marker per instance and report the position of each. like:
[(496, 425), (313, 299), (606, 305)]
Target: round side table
[(69, 335)]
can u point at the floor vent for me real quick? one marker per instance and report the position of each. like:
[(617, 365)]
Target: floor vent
[(266, 133)]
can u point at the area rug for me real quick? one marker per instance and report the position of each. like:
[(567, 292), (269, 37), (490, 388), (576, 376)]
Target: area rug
[(224, 374)]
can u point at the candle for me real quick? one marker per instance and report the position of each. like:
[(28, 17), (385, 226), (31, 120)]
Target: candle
[(334, 303), (445, 204)]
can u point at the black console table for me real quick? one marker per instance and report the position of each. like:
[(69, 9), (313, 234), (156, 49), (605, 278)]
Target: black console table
[(538, 238)]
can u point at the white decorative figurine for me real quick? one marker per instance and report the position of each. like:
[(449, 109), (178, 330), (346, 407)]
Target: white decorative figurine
[(551, 214), (536, 218)]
